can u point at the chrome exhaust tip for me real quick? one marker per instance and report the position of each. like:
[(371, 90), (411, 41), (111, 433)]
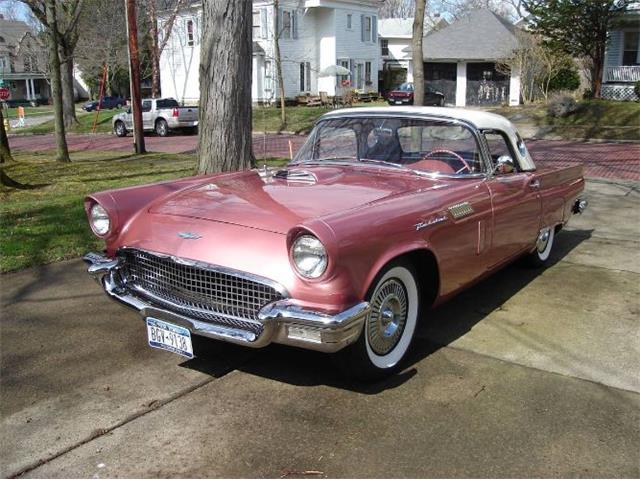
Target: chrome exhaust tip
[(579, 206)]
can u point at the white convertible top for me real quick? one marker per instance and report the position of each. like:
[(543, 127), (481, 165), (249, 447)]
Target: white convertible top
[(481, 120)]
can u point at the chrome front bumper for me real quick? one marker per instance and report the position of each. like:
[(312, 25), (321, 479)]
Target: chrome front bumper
[(283, 321)]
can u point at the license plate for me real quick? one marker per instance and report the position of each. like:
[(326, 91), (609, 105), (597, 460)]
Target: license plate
[(167, 336), (398, 102)]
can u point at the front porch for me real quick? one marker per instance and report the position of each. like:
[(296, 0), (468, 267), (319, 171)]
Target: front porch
[(26, 87)]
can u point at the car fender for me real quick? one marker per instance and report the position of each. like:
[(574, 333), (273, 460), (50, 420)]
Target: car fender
[(393, 252)]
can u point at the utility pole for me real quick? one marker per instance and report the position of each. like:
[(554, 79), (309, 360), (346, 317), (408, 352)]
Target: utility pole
[(134, 76)]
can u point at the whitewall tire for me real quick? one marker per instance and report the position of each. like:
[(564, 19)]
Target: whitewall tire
[(544, 244), (390, 327)]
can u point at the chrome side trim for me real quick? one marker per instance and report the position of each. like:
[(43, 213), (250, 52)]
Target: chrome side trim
[(460, 210)]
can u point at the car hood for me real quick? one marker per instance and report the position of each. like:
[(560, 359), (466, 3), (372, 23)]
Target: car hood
[(279, 202)]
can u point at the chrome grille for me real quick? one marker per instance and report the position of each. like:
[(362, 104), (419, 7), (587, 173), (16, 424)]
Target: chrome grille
[(200, 292)]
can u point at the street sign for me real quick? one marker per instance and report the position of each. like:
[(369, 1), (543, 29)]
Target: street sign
[(5, 93)]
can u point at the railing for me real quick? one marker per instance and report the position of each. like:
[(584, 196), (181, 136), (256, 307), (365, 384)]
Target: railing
[(622, 74)]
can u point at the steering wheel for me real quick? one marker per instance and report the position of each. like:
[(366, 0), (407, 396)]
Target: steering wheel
[(452, 153)]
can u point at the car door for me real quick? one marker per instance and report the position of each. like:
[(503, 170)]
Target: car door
[(147, 115), (515, 200)]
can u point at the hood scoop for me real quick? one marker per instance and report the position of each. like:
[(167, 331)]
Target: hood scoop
[(296, 176)]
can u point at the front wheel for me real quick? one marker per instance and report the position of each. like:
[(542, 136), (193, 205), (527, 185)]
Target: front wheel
[(120, 129), (162, 128), (540, 256), (389, 328)]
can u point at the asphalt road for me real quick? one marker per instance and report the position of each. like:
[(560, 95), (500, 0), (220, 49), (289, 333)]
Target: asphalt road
[(531, 373)]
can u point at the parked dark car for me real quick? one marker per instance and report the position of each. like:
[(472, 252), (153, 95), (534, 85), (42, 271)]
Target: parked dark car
[(107, 103), (403, 95)]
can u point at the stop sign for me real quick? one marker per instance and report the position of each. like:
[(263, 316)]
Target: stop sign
[(4, 94)]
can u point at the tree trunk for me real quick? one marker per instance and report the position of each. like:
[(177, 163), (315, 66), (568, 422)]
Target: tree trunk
[(68, 97), (596, 74), (278, 60), (417, 55), (5, 150), (224, 142), (62, 152), (155, 49)]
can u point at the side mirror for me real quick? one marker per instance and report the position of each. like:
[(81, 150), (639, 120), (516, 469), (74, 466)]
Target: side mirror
[(504, 164)]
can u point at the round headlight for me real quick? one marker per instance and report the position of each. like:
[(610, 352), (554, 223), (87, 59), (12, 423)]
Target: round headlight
[(99, 219), (309, 256)]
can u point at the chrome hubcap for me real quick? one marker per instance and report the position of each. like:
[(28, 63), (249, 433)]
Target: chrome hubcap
[(388, 317), (543, 240)]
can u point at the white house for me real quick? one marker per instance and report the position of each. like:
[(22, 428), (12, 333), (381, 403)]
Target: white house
[(622, 57), (313, 35)]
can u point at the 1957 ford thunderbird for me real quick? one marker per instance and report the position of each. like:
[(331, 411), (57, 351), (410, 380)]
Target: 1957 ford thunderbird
[(382, 213)]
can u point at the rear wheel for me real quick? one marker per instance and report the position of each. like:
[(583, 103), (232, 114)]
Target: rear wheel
[(540, 256), (120, 129), (162, 128), (389, 328)]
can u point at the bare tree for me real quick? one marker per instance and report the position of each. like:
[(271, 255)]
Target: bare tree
[(278, 61), (224, 142), (537, 63), (5, 149), (62, 152), (418, 54), (102, 43), (160, 33), (67, 16), (511, 9), (397, 9)]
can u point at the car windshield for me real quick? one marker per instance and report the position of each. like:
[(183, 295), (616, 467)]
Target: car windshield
[(422, 145), (405, 87)]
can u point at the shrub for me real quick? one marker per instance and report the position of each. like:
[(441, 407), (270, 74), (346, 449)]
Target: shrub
[(566, 79), (636, 90), (587, 94), (561, 104)]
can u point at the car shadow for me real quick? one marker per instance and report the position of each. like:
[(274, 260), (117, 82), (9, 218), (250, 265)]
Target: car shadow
[(439, 327)]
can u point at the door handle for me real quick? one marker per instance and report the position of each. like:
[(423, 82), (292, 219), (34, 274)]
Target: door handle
[(534, 183)]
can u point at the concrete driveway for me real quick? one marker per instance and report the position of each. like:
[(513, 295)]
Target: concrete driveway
[(531, 373)]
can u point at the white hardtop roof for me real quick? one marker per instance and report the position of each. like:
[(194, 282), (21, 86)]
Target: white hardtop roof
[(482, 120)]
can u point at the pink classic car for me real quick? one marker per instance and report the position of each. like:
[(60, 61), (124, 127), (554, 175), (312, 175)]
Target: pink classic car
[(382, 213)]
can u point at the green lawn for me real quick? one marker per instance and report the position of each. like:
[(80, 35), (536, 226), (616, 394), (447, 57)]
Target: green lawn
[(28, 111), (48, 223), (594, 119), (85, 123), (299, 119)]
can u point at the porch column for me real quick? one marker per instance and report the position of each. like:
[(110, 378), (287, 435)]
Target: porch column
[(26, 83), (33, 90), (514, 87), (461, 84)]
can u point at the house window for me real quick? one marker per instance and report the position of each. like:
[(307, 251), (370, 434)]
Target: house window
[(349, 21), (4, 63), (342, 79), (367, 29), (286, 25), (27, 63), (359, 79), (268, 80), (190, 36), (305, 76), (257, 24), (630, 54), (367, 73), (384, 47)]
